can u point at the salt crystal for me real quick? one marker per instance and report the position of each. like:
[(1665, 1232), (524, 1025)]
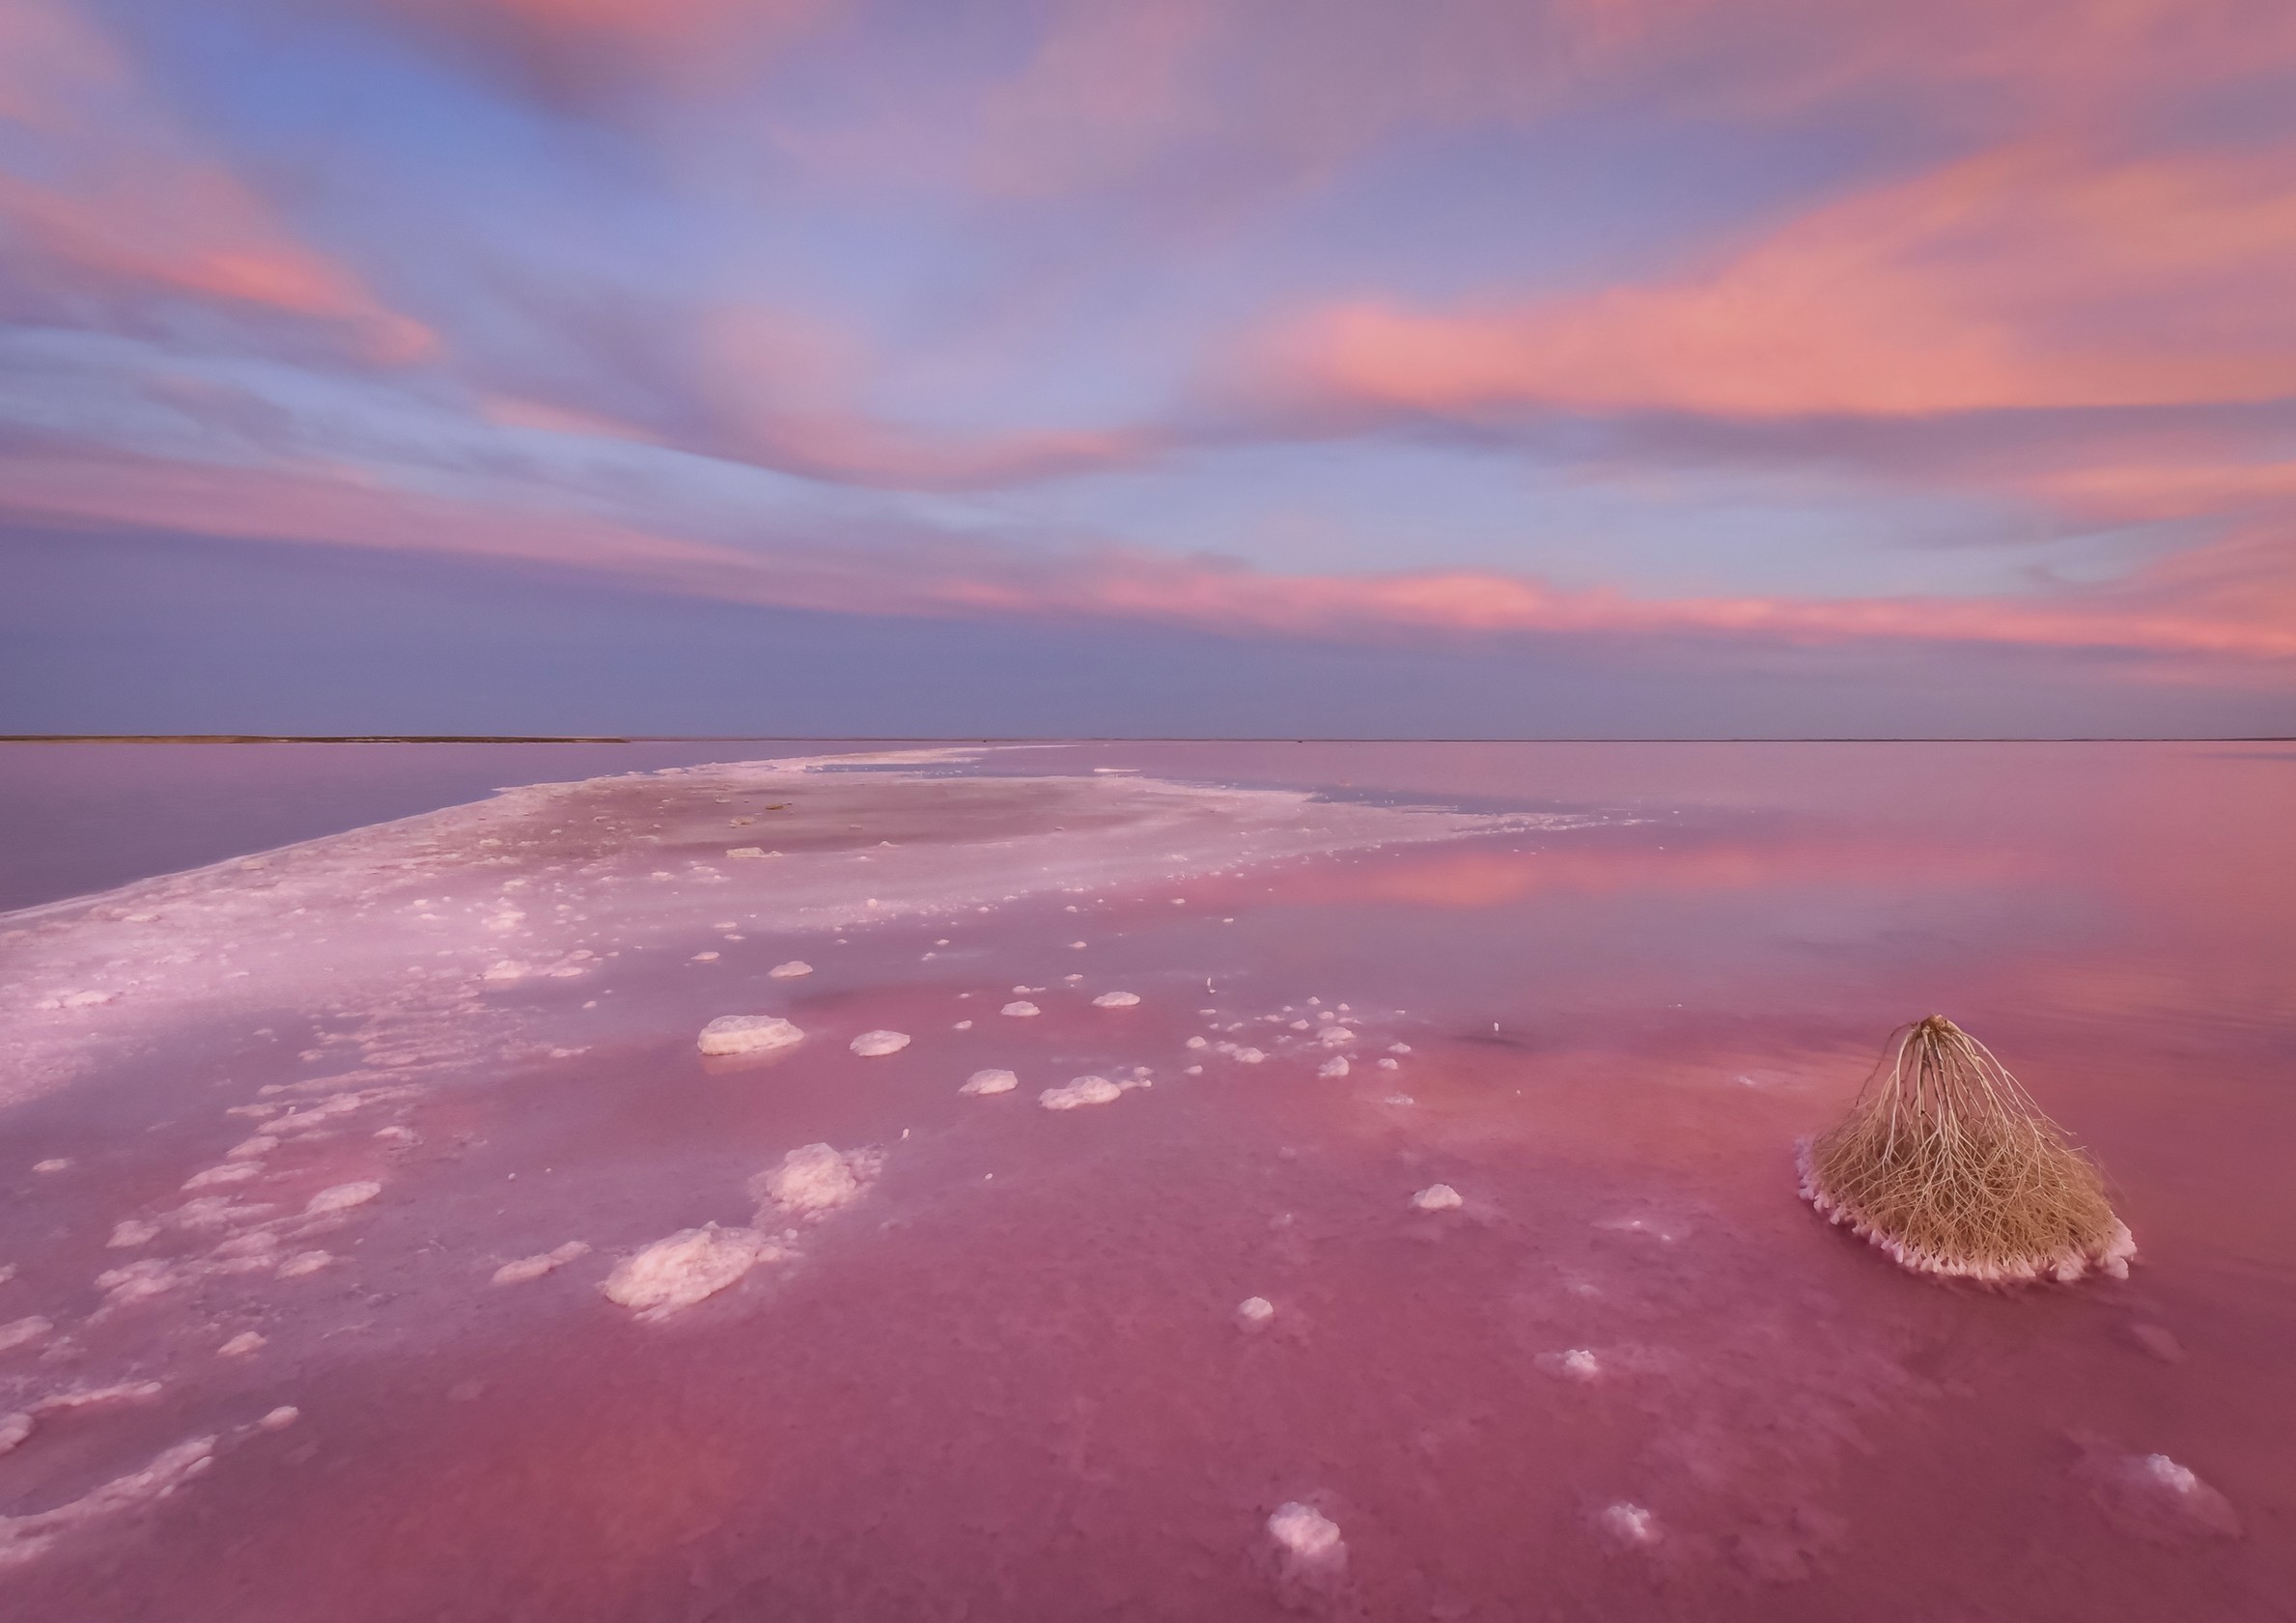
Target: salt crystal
[(133, 1231), (1117, 1000), (1311, 1541), (990, 1081), (795, 967), (341, 1198), (1083, 1090), (1335, 1066), (534, 1268), (1019, 1009), (816, 1179), (240, 1345), (688, 1266), (58, 1163), (875, 1045), (703, 957), (730, 1034), (1437, 1197), (1630, 1524), (280, 1419), (232, 1172), (1198, 1042), (302, 1262), (23, 1330), (1254, 1311)]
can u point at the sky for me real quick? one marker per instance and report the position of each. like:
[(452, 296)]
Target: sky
[(1458, 368)]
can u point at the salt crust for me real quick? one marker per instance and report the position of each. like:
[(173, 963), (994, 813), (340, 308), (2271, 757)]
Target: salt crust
[(1083, 1090), (990, 1081), (732, 1034), (2112, 1259), (341, 1198), (876, 1044), (814, 1180), (1254, 1311), (535, 1267), (689, 1266), (1309, 1540), (1117, 1000), (795, 967), (1437, 1197), (22, 1538)]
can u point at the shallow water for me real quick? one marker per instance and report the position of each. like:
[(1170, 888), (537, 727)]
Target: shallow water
[(989, 1359)]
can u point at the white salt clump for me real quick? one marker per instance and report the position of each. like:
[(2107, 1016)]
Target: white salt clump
[(1117, 1000), (22, 1538), (746, 850), (1630, 1524), (1019, 1009), (1389, 1065), (1249, 1056), (1199, 1043), (136, 1281), (506, 969), (684, 1269), (1437, 1197), (1334, 1036), (56, 1164), (962, 1025), (535, 1267), (1309, 1540), (1335, 1066), (1580, 1363), (133, 1231), (790, 970), (14, 1429), (341, 1198), (874, 1044), (1398, 1048), (1084, 1090), (302, 1262), (1254, 1311), (252, 1148), (814, 1180), (232, 1172), (990, 1081), (23, 1330), (703, 957), (240, 1345), (2169, 1474), (730, 1034), (280, 1419)]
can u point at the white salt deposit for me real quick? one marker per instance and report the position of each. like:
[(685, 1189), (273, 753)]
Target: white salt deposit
[(133, 1231), (1249, 1056), (1437, 1197), (55, 1163), (1334, 1036), (790, 970), (230, 1172), (732, 1034), (341, 1197), (240, 1345), (304, 1263), (22, 1538), (874, 1044), (1020, 1010), (1083, 1090), (1254, 1311), (14, 1429), (1117, 1000), (814, 1180), (252, 1148), (690, 1265), (280, 1419), (1629, 1524), (1389, 1065), (990, 1081), (1309, 1540), (1580, 1364), (535, 1267), (1335, 1066), (1398, 1048), (703, 957), (1199, 1042)]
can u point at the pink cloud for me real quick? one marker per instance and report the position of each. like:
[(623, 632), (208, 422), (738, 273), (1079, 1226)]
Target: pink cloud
[(2229, 605), (128, 210), (2035, 276)]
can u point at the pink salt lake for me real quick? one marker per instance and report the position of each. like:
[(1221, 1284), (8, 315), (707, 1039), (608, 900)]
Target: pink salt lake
[(1191, 1347)]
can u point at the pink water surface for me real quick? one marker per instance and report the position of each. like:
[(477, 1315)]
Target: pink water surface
[(1630, 1376)]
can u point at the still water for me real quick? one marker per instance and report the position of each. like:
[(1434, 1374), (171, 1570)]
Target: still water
[(380, 1244)]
